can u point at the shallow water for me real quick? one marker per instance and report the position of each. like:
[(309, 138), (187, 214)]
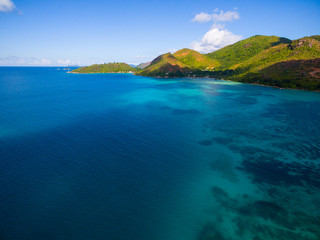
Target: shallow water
[(117, 156)]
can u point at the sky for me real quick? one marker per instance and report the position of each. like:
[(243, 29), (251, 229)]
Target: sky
[(82, 32)]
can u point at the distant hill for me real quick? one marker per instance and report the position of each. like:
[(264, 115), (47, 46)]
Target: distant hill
[(143, 65), (267, 60), (106, 68)]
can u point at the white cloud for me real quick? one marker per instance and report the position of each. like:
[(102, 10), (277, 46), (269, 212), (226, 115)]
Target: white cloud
[(202, 17), (214, 40), (218, 25), (217, 37), (6, 6), (228, 16)]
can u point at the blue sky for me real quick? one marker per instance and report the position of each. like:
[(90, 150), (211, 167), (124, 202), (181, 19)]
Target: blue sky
[(86, 32)]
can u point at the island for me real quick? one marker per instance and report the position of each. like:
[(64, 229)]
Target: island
[(264, 60), (106, 68)]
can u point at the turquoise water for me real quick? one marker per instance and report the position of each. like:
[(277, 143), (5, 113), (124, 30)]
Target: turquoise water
[(118, 156)]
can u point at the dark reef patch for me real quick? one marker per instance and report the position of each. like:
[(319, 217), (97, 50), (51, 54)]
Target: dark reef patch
[(260, 231), (225, 166), (183, 111), (222, 197), (219, 193), (243, 100), (295, 112), (260, 219), (223, 141), (256, 153), (301, 121), (279, 148), (268, 211), (303, 149), (210, 232), (268, 167), (276, 172), (177, 111), (205, 142)]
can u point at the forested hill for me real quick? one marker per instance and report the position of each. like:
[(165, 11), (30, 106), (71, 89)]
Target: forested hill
[(267, 60), (106, 68)]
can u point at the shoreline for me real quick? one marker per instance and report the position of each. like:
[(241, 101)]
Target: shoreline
[(103, 73), (257, 84)]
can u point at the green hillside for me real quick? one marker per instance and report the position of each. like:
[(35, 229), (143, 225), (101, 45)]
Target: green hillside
[(196, 60), (166, 65), (305, 48), (296, 74), (106, 68), (187, 59), (244, 50), (267, 60), (179, 64), (316, 37), (284, 65)]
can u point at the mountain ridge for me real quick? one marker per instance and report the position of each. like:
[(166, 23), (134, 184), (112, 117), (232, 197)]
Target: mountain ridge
[(253, 60)]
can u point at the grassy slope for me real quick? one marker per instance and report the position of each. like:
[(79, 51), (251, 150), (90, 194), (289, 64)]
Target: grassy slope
[(184, 60), (316, 37), (268, 60), (165, 65), (284, 65), (244, 50), (196, 60), (301, 74), (305, 48), (105, 68)]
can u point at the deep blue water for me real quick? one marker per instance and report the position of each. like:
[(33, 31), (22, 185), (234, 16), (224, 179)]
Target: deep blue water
[(118, 156)]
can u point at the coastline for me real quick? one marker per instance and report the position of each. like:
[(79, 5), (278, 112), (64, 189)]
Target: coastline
[(157, 77), (257, 84), (102, 73)]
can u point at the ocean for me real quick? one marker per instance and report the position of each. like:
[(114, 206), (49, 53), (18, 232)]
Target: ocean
[(119, 156)]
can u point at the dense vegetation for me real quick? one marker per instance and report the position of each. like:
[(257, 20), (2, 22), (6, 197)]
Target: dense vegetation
[(166, 65), (300, 74), (196, 60), (106, 68), (316, 37), (267, 60), (245, 50)]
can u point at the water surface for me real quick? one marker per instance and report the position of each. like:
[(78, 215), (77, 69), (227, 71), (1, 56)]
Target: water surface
[(118, 156)]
